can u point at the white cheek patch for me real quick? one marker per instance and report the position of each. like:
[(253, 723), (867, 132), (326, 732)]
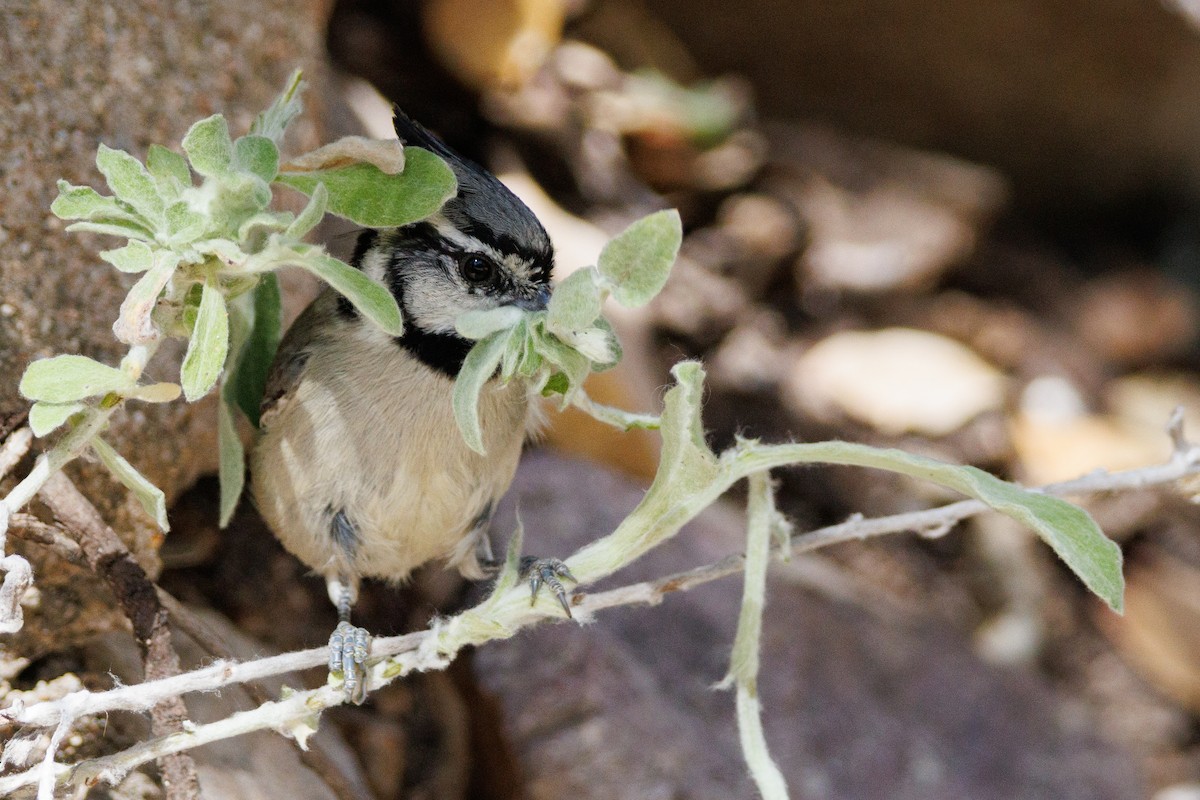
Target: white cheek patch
[(374, 262)]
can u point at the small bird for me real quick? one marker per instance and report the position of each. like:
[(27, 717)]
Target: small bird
[(360, 469)]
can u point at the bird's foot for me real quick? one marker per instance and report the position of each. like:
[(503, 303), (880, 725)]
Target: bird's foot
[(348, 648), (547, 571)]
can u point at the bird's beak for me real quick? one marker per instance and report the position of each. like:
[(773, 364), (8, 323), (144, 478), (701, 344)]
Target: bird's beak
[(536, 303)]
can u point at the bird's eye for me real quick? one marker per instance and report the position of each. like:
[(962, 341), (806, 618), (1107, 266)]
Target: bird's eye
[(477, 269)]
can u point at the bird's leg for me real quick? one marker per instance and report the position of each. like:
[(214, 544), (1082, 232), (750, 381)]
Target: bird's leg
[(547, 571), (348, 645)]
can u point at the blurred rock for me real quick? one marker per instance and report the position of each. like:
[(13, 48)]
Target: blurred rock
[(1083, 106), (1160, 632), (895, 380), (493, 44), (880, 218), (1137, 317), (698, 304), (1057, 438), (754, 235), (857, 705), (117, 73)]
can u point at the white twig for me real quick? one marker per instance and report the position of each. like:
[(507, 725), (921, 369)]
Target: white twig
[(14, 449), (502, 617)]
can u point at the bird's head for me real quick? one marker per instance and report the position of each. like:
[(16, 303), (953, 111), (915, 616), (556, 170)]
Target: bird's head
[(483, 249)]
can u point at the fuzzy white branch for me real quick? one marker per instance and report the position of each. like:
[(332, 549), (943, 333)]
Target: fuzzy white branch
[(499, 617)]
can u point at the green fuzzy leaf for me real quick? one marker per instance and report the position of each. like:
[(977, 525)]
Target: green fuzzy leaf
[(312, 214), (111, 227), (257, 155), (209, 147), (169, 171), (232, 462), (208, 345), (557, 383), (273, 122), (45, 417), (570, 364), (478, 367), (614, 346), (149, 495), (168, 168), (238, 196), (65, 379), (84, 202), (135, 324), (518, 355), (183, 223), (370, 298), (1068, 529), (368, 196), (130, 182), (133, 257), (636, 263), (248, 378), (576, 302), (481, 324)]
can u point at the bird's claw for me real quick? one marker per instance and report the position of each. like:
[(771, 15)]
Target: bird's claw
[(547, 571), (348, 648)]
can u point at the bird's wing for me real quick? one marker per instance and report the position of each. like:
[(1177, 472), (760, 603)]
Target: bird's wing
[(290, 361)]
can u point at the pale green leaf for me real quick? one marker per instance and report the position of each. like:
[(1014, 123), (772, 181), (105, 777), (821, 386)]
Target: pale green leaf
[(257, 155), (237, 197), (149, 495), (273, 122), (184, 224), (478, 367), (67, 378), (112, 227), (156, 393), (613, 344), (368, 196), (169, 170), (45, 417), (480, 324), (575, 303), (517, 351), (208, 345), (84, 202), (130, 182), (569, 362), (248, 378), (135, 323), (209, 147), (232, 464), (255, 232), (1068, 529), (370, 298), (133, 257), (636, 262), (312, 214)]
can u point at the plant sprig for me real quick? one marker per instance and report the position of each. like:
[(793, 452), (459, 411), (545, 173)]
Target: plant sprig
[(555, 350), (202, 231)]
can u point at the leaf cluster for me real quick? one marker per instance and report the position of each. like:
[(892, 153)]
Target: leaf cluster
[(201, 231), (555, 350)]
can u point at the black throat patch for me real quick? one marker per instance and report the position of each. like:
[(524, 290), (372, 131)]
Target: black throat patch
[(442, 352)]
